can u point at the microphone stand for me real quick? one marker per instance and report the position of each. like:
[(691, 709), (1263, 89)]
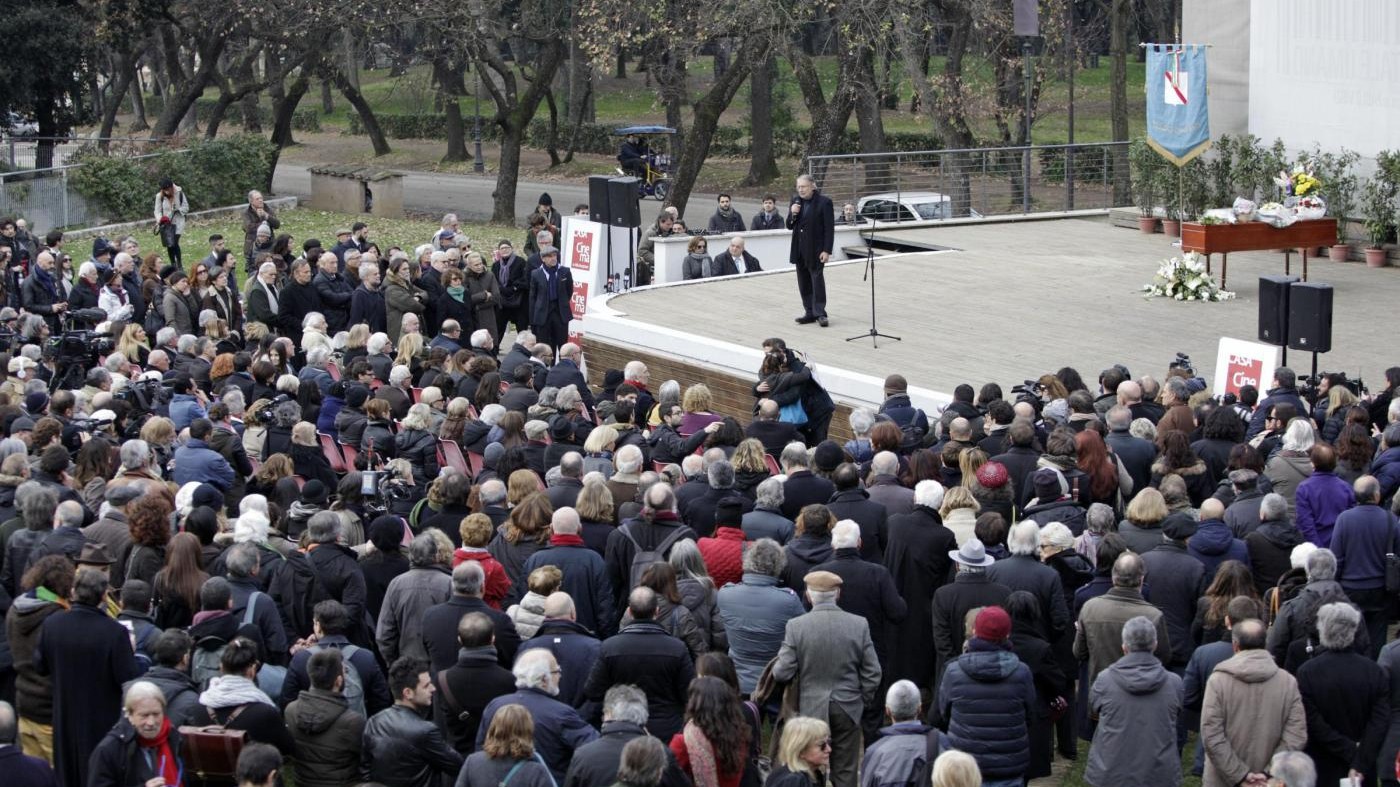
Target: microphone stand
[(873, 334)]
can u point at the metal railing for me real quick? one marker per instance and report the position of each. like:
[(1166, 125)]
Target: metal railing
[(47, 200), (22, 153), (939, 184)]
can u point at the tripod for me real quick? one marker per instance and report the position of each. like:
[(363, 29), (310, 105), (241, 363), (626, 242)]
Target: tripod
[(873, 334)]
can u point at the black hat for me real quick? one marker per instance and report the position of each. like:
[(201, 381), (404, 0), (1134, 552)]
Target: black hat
[(1179, 526), (561, 429), (206, 495), (1049, 483), (545, 199), (612, 378), (386, 532), (314, 493), (729, 512), (828, 456), (356, 396)]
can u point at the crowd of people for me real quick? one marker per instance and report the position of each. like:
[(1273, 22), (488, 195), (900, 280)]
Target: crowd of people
[(368, 521)]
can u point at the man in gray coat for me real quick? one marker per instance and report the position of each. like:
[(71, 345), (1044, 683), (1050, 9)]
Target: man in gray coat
[(1136, 701), (1099, 632), (832, 656), (756, 611), (427, 583)]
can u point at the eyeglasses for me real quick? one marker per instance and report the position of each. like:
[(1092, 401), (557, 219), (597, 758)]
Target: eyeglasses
[(556, 671), (826, 744)]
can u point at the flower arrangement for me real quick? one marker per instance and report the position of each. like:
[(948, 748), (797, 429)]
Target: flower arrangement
[(1184, 278), (1299, 182)]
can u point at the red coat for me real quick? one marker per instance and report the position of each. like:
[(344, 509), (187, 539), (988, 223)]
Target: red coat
[(497, 581), (724, 555)]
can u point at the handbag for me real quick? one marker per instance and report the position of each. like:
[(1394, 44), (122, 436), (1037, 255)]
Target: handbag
[(211, 752), (793, 413), (168, 237)]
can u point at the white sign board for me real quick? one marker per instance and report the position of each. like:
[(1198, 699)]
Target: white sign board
[(584, 254), (1239, 363)]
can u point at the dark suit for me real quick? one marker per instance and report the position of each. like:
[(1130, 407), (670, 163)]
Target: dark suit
[(549, 312), (813, 232), (726, 265), (775, 435)]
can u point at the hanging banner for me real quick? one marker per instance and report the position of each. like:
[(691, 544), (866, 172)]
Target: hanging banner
[(584, 255), (1178, 123)]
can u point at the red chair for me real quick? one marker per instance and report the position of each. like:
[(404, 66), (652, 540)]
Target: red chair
[(375, 384), (451, 456), (658, 466), (332, 452), (350, 454), (301, 482), (417, 395), (255, 462), (475, 462), (333, 370), (773, 467)]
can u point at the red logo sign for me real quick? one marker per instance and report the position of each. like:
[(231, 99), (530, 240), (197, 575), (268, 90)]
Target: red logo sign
[(578, 304), (576, 337), (583, 250), (1243, 371)]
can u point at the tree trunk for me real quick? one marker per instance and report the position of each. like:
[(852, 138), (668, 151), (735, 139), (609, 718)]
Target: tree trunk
[(216, 116), (508, 176), (580, 107), (366, 113), (1118, 97), (763, 167), (670, 79), (870, 126), (620, 65), (242, 73), (120, 85), (138, 98), (452, 109), (284, 110), (327, 98), (829, 117), (706, 114), (514, 112), (351, 65), (180, 98), (551, 143)]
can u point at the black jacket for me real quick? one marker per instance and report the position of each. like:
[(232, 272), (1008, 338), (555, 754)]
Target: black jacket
[(724, 264), (813, 229), (803, 488), (420, 449), (475, 680), (595, 764), (308, 461), (1025, 572), (440, 631), (1346, 698), (328, 735), (699, 513), (804, 553), (1178, 580), (621, 550), (293, 304), (1019, 462), (576, 650), (871, 516), (951, 604), (368, 307), (644, 655), (542, 307), (338, 570), (775, 435), (868, 590), (335, 293), (917, 558), (404, 749)]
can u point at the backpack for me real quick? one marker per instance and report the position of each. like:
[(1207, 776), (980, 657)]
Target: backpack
[(204, 663), (354, 688), (1306, 617), (643, 557), (297, 590)]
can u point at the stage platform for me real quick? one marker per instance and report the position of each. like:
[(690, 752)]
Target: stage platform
[(1004, 302)]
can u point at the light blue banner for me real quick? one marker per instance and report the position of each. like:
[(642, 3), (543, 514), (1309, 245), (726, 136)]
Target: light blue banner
[(1178, 123)]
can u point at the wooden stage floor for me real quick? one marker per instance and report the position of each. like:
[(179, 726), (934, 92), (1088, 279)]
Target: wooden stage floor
[(1015, 300)]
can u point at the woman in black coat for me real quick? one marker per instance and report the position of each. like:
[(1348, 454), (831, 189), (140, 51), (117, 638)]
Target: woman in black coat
[(454, 304), (308, 461), (1051, 686), (418, 445)]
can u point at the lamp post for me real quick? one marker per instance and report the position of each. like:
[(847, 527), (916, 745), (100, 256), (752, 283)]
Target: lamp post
[(478, 163)]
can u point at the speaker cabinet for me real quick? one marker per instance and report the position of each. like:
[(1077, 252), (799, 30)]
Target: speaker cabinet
[(1273, 309), (623, 207), (598, 199), (1310, 317)]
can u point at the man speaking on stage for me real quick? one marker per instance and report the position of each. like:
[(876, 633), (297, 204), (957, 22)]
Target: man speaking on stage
[(812, 220)]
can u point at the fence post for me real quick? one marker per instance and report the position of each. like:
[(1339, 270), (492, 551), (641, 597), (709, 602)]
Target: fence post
[(63, 184), (12, 153), (1069, 177)]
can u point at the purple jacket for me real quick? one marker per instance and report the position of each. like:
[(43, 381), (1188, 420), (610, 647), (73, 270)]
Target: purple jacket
[(1321, 498)]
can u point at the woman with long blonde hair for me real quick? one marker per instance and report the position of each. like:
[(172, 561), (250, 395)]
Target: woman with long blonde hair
[(135, 344), (804, 754)]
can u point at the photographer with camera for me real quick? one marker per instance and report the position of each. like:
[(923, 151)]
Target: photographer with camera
[(188, 402)]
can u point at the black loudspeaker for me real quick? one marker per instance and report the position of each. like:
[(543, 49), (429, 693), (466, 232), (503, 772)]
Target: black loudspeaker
[(598, 198), (623, 207), (1026, 17), (1310, 317), (1273, 308)]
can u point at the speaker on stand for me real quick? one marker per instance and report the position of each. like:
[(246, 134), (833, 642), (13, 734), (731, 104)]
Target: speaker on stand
[(624, 210), (1310, 319), (1273, 311), (599, 211)]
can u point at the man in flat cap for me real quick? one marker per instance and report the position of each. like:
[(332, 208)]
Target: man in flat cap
[(832, 657)]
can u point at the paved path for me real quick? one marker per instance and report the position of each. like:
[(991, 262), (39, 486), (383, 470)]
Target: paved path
[(470, 195)]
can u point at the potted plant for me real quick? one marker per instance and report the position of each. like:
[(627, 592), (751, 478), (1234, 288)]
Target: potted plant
[(1173, 185), (1378, 205), (1146, 166), (1341, 200)]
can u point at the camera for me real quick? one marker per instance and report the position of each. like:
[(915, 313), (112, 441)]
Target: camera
[(268, 414), (146, 396), (1182, 362), (1028, 391), (384, 491), (1308, 386), (74, 352)]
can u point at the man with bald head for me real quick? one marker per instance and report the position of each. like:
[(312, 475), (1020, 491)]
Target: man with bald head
[(1214, 543), (472, 682), (334, 291), (1136, 453), (20, 769), (767, 429), (41, 294), (645, 655), (440, 622), (573, 646), (585, 573), (1252, 708), (1098, 637)]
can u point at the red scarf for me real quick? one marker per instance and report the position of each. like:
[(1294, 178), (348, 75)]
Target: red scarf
[(558, 540), (161, 755)]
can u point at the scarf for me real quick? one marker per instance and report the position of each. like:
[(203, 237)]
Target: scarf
[(44, 594), (230, 691), (271, 295), (562, 540), (120, 294), (703, 767), (457, 293), (159, 755), (46, 280)]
